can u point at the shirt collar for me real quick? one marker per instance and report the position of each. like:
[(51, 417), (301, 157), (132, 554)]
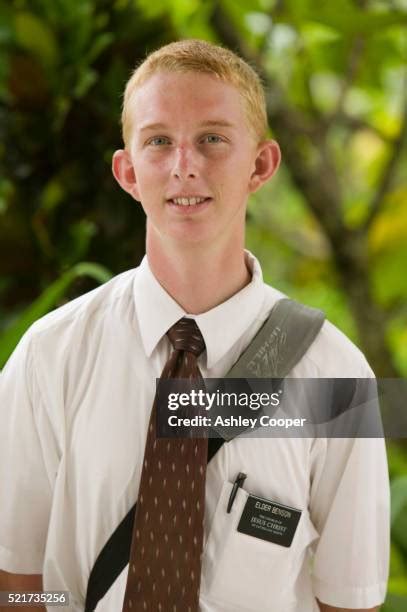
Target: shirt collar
[(221, 326)]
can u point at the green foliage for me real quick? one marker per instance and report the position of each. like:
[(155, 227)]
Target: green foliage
[(62, 70), (397, 597), (44, 303), (340, 65)]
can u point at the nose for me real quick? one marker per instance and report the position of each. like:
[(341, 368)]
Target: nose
[(185, 163)]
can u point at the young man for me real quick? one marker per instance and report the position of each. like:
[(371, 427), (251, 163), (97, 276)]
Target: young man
[(76, 396)]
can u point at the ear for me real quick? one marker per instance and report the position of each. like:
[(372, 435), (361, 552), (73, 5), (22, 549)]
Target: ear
[(266, 164), (123, 172)]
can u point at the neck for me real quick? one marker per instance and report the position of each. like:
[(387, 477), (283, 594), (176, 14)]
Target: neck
[(199, 277)]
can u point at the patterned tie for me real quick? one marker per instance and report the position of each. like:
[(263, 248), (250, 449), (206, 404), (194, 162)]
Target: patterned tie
[(166, 550)]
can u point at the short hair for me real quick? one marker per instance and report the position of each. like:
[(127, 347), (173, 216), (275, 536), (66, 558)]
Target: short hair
[(193, 55)]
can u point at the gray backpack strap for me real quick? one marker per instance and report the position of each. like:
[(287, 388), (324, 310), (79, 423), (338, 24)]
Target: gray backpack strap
[(280, 343)]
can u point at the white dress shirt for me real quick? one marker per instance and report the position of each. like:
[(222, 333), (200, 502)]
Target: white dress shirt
[(75, 400)]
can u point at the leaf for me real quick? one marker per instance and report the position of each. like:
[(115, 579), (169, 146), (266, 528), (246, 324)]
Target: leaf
[(86, 79), (397, 460), (398, 497), (80, 235), (389, 279), (45, 302), (242, 7), (390, 227), (191, 19), (35, 36), (4, 85), (180, 10), (397, 335), (152, 10), (101, 43), (395, 603), (6, 24), (399, 528), (52, 195), (6, 191), (349, 19), (316, 33), (397, 569)]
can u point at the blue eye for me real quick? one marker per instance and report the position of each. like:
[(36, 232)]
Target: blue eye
[(213, 138), (158, 140)]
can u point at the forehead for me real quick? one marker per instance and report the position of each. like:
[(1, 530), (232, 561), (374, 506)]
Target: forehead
[(170, 96)]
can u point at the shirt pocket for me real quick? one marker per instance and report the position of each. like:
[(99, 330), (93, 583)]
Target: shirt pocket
[(242, 572)]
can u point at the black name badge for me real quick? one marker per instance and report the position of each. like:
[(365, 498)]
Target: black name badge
[(268, 520)]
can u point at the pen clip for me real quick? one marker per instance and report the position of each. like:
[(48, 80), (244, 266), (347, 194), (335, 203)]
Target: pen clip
[(241, 477)]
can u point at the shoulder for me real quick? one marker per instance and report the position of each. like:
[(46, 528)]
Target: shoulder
[(332, 354), (79, 316)]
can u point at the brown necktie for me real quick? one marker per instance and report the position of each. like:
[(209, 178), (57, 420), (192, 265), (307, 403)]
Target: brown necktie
[(165, 558)]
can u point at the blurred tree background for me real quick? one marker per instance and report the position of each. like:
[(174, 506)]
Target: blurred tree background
[(330, 229)]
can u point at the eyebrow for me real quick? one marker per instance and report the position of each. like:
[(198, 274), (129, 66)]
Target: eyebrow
[(208, 123)]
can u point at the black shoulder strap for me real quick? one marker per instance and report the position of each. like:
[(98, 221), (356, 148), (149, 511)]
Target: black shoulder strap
[(281, 342), (115, 554)]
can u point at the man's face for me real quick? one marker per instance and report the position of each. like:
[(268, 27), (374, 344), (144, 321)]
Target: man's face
[(190, 139)]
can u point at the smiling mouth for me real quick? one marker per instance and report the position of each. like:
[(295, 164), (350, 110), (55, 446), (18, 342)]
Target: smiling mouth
[(193, 201)]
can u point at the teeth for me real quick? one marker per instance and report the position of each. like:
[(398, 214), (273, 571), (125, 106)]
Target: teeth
[(188, 201)]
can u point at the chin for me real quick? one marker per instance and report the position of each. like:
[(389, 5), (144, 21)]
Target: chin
[(190, 236)]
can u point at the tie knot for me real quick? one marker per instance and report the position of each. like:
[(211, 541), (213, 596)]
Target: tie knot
[(184, 335)]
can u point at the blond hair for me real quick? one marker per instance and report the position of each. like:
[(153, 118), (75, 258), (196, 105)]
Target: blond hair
[(201, 56)]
